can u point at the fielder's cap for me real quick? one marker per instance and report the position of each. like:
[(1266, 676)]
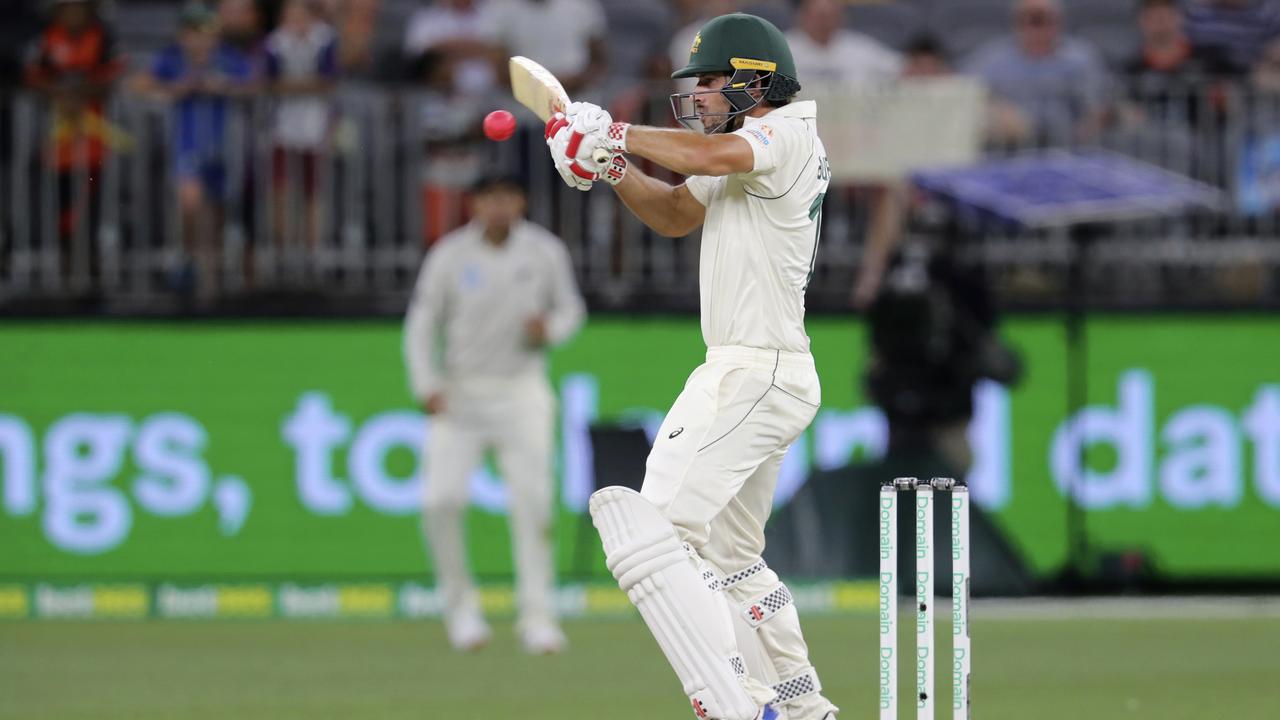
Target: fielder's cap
[(196, 15)]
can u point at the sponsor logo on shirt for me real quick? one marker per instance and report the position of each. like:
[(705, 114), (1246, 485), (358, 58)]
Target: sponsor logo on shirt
[(471, 277), (764, 139)]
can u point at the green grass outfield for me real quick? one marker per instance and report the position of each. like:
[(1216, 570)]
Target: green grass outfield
[(1024, 669)]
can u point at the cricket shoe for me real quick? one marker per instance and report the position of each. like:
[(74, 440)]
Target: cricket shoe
[(468, 632), (543, 639)]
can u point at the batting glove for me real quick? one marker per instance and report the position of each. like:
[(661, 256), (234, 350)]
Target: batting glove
[(591, 119), (614, 137), (609, 168), (588, 118), (565, 145), (615, 171), (601, 146)]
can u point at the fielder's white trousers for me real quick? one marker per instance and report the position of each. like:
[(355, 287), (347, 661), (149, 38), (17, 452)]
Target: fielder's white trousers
[(714, 467), (513, 417)]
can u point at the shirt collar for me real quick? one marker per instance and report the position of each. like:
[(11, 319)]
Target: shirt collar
[(476, 231), (805, 110)]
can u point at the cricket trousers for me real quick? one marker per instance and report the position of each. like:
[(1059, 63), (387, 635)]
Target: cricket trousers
[(514, 418), (712, 473)]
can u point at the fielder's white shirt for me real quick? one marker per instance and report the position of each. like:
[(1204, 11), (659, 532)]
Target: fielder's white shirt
[(477, 297), (760, 235)]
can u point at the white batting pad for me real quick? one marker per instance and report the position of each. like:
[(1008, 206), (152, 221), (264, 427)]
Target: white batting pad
[(665, 584)]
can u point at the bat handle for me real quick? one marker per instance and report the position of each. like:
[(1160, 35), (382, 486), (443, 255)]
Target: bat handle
[(600, 156)]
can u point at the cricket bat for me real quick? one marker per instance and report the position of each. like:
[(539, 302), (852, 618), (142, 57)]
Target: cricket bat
[(537, 89)]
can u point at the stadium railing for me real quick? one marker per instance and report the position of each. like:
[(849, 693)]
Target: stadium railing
[(90, 209)]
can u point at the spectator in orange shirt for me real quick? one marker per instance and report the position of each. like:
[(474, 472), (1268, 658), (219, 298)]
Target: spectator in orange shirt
[(73, 65)]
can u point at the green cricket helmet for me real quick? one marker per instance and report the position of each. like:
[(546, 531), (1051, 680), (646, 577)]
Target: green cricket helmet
[(753, 52)]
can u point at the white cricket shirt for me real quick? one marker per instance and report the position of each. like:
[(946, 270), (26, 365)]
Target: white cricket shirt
[(478, 297), (760, 235)]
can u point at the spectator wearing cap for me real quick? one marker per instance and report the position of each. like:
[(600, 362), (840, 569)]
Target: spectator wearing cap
[(1047, 87), (489, 301), (1232, 33), (828, 53), (565, 36), (199, 75), (302, 66), (73, 65)]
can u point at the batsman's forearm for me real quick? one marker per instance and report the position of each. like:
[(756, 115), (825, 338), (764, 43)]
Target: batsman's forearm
[(653, 201), (682, 151)]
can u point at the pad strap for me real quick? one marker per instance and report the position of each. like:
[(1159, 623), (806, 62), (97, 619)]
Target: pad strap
[(741, 575), (806, 683), (766, 606)]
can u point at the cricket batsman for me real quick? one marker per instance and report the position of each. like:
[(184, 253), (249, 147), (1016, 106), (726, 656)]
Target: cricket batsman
[(687, 548)]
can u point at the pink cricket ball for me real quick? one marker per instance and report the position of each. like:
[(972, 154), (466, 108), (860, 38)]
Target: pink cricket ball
[(499, 125)]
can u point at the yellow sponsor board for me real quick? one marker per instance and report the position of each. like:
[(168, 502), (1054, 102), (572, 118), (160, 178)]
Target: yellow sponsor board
[(497, 600), (14, 602), (863, 595), (121, 601), (245, 601), (605, 600), (366, 600)]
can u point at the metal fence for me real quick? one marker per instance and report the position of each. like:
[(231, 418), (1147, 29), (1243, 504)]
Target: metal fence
[(119, 213)]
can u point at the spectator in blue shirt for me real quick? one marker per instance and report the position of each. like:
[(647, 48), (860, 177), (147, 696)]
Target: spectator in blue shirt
[(199, 75), (1047, 87)]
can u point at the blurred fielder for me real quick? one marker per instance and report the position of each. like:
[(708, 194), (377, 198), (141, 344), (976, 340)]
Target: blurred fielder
[(497, 292), (687, 548)]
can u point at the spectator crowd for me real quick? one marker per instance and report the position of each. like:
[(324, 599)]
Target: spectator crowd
[(1132, 63)]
